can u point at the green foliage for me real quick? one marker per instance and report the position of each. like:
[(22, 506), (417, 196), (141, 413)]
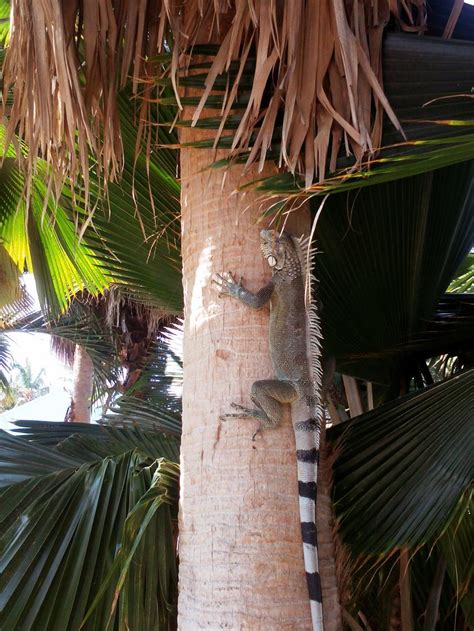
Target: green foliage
[(5, 362), (42, 238), (387, 254), (154, 401), (135, 234), (4, 22), (133, 239), (403, 467), (82, 327), (407, 159), (79, 519), (457, 550), (464, 277), (22, 386)]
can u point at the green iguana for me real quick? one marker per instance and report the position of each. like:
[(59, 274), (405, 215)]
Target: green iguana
[(294, 337)]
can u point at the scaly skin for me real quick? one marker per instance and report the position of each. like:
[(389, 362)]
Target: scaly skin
[(294, 382)]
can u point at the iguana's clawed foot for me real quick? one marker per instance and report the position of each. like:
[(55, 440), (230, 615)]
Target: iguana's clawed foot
[(237, 406), (227, 284), (243, 412)]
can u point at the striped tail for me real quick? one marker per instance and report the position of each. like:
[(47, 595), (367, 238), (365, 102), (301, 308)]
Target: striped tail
[(307, 452)]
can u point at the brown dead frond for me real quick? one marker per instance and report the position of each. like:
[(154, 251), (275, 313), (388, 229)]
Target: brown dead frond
[(317, 75)]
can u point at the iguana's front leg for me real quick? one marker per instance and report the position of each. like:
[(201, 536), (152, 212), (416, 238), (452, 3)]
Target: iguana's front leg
[(268, 396), (228, 286)]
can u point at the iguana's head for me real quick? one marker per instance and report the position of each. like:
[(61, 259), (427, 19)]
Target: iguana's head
[(279, 250)]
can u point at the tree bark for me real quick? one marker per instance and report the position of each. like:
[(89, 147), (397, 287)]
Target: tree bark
[(241, 560), (83, 373)]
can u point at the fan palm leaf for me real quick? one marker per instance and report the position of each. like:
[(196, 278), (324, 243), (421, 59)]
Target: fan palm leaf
[(42, 239), (385, 260), (135, 231), (71, 512), (404, 466)]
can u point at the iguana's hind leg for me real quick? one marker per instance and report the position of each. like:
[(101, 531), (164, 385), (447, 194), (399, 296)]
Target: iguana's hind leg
[(268, 396)]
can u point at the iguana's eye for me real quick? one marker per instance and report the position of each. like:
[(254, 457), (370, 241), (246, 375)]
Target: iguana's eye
[(272, 261)]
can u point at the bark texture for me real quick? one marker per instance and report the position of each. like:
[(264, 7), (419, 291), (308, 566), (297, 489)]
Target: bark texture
[(83, 373), (241, 559)]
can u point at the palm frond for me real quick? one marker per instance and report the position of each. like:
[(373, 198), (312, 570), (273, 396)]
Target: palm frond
[(19, 313), (343, 96), (385, 260), (89, 333), (135, 231), (464, 278), (5, 362), (42, 238), (133, 240), (435, 107), (72, 514), (427, 82), (85, 441), (154, 401), (9, 279), (405, 160), (403, 467), (456, 546), (4, 21), (139, 532)]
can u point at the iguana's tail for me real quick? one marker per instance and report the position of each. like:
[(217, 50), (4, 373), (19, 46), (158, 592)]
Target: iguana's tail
[(307, 452), (308, 432)]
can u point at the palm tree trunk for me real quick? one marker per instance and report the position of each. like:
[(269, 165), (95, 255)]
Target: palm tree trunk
[(241, 561), (83, 373)]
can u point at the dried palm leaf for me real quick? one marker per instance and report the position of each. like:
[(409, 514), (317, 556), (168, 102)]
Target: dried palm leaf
[(316, 62)]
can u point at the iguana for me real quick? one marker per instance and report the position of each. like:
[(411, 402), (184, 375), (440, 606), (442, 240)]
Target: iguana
[(294, 337)]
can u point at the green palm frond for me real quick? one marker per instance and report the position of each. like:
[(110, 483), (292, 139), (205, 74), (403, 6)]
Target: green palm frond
[(403, 467), (4, 22), (43, 240), (464, 278), (395, 162), (154, 401), (89, 333), (135, 232), (79, 518), (133, 239), (97, 441), (457, 550), (386, 255), (10, 285), (5, 362)]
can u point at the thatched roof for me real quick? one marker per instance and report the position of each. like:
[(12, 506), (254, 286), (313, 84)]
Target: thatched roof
[(317, 72)]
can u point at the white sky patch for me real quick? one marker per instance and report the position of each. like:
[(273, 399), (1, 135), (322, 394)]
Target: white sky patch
[(36, 348)]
